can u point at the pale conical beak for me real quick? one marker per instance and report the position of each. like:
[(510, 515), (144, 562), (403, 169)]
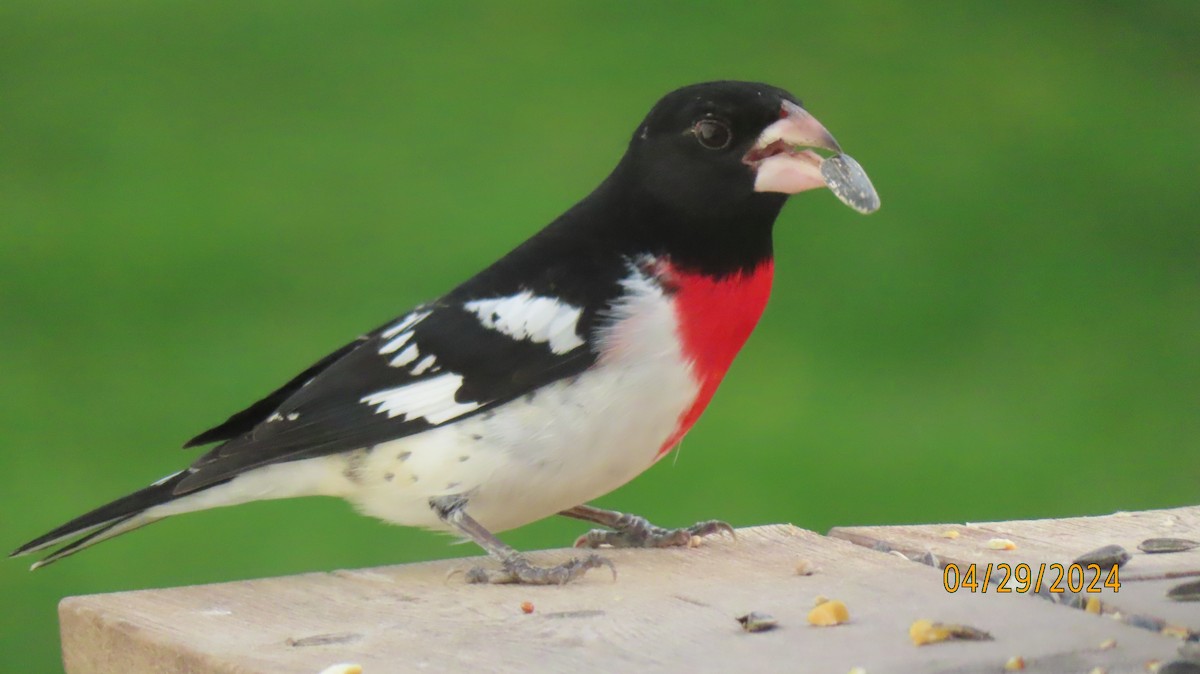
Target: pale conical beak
[(784, 161)]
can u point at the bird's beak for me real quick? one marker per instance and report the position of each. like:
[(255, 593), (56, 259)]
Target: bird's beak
[(784, 161)]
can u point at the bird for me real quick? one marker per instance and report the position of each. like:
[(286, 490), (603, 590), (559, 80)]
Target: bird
[(553, 376)]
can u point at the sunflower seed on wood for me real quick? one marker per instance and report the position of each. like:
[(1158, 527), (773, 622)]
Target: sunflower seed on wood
[(757, 622), (1185, 591), (324, 639), (1160, 545), (1107, 557), (965, 632)]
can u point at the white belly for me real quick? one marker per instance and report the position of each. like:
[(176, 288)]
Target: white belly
[(569, 443)]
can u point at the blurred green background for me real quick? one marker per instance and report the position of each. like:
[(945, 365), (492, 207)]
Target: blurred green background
[(198, 199)]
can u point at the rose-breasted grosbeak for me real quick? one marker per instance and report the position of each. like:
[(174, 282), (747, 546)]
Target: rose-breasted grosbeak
[(553, 376)]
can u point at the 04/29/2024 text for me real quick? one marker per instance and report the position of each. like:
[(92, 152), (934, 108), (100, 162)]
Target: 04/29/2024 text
[(1024, 578)]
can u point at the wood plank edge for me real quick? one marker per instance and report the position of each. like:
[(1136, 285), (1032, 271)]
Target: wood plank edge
[(94, 644)]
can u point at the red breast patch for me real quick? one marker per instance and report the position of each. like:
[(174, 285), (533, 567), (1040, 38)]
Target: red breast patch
[(715, 317)]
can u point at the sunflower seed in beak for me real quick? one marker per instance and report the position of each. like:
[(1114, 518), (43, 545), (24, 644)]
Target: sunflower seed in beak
[(849, 183)]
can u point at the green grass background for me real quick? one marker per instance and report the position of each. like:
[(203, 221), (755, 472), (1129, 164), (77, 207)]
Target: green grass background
[(199, 198)]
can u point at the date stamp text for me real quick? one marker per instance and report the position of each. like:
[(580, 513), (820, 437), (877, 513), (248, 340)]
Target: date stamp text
[(1024, 578)]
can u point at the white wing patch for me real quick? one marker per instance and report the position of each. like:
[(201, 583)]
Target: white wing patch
[(398, 336), (406, 356), (426, 363), (396, 342), (431, 398), (405, 323), (527, 316)]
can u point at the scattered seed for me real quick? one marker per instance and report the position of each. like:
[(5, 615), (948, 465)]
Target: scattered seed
[(1185, 591), (928, 632), (1092, 606), (1153, 666), (1015, 664), (758, 622), (820, 599), (805, 568), (1144, 622), (967, 633), (1177, 631), (949, 533), (1107, 557), (828, 613), (343, 668), (1160, 545), (324, 639), (527, 607), (694, 542), (1001, 544), (923, 632), (858, 670), (1108, 644), (1098, 670)]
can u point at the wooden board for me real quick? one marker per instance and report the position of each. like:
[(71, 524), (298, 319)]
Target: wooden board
[(669, 611), (1144, 580)]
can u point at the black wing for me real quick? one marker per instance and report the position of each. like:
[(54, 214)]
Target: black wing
[(436, 365), (257, 413)]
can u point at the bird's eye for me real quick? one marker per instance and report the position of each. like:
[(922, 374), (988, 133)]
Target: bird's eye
[(712, 134)]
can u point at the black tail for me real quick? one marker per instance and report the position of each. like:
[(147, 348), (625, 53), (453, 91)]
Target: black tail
[(104, 522)]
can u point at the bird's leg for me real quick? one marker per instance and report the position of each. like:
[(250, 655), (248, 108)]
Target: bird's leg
[(631, 531), (515, 568)]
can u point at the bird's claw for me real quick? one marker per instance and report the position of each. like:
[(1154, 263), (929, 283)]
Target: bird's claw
[(518, 570), (639, 533)]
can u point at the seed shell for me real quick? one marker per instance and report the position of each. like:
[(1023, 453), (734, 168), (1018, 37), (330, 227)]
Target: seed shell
[(1156, 546), (757, 622), (1107, 557), (1185, 591), (848, 181)]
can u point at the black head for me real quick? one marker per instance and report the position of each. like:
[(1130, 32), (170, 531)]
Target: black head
[(688, 151), (696, 163)]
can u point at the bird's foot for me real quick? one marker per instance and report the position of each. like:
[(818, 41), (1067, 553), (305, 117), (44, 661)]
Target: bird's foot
[(518, 570), (636, 532)]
